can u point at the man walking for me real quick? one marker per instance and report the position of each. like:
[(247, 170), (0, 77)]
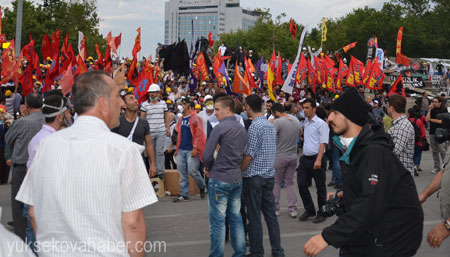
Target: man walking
[(402, 132), (312, 164), (156, 113), (136, 129), (288, 131), (225, 179), (439, 150), (108, 186), (19, 137), (190, 146), (259, 179)]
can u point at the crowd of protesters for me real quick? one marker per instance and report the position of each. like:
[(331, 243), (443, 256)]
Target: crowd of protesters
[(240, 151)]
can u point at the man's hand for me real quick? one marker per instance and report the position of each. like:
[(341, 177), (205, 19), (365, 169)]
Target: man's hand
[(168, 132), (152, 170), (422, 198), (437, 234), (9, 162), (169, 150), (317, 164), (314, 246), (206, 172), (194, 153), (175, 154), (330, 195)]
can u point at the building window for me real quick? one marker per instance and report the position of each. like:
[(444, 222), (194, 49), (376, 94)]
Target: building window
[(232, 5)]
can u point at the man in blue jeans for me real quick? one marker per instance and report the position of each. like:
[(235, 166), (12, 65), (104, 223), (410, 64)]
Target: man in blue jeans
[(259, 172), (190, 145), (225, 183)]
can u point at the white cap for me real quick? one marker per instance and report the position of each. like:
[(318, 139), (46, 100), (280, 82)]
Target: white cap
[(203, 83), (375, 101), (154, 88), (207, 97)]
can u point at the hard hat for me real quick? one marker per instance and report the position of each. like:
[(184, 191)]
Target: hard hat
[(207, 97), (154, 88), (90, 58), (49, 59), (324, 86), (336, 96), (130, 89), (198, 107), (168, 90), (34, 77), (8, 93), (38, 83), (169, 102), (304, 48)]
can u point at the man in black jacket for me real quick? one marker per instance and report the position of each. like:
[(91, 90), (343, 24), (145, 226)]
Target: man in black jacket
[(383, 216)]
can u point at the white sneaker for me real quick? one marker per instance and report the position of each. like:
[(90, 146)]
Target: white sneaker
[(435, 171), (277, 213), (293, 214)]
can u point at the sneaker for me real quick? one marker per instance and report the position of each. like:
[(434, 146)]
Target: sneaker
[(277, 213), (306, 215), (419, 169), (331, 184), (415, 172), (180, 198), (339, 187), (293, 214), (202, 193), (435, 171), (319, 218), (161, 176)]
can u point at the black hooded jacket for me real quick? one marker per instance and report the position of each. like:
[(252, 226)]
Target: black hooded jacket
[(383, 216)]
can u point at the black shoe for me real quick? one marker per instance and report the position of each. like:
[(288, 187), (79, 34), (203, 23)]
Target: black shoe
[(319, 218), (10, 223), (202, 193), (338, 187), (180, 199), (306, 215), (161, 176), (331, 184)]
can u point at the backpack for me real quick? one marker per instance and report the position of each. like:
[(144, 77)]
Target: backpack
[(416, 131)]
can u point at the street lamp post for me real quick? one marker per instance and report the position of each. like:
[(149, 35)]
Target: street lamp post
[(19, 27)]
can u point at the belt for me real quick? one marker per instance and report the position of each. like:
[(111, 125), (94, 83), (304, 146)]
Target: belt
[(19, 165), (310, 157)]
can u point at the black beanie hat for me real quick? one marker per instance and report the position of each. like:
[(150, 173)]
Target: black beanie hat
[(352, 106)]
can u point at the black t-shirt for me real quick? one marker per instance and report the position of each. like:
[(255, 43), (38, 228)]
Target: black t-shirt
[(142, 129), (433, 115)]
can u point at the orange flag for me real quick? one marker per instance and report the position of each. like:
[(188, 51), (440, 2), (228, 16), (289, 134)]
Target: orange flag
[(66, 81), (81, 65), (248, 74), (137, 43), (240, 85), (201, 66), (349, 46)]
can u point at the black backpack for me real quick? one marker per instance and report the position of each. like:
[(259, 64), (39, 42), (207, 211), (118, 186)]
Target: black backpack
[(416, 131)]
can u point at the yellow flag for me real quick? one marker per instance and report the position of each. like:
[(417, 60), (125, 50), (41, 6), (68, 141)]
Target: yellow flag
[(270, 79), (324, 30)]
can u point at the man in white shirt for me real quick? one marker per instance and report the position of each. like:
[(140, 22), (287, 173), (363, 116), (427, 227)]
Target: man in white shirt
[(222, 49), (86, 185)]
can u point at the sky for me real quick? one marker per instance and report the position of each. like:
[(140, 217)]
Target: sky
[(125, 16)]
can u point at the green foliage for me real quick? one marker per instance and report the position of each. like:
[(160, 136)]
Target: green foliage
[(426, 31), (67, 16)]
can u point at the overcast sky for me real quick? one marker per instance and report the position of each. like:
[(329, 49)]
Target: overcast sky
[(127, 15)]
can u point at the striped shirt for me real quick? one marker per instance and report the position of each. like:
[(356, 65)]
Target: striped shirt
[(80, 182), (155, 115)]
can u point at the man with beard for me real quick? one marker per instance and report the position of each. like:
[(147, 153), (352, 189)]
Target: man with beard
[(436, 107), (382, 215)]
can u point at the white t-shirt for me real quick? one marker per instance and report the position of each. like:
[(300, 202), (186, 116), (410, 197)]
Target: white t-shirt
[(222, 50), (155, 115), (80, 182), (204, 115)]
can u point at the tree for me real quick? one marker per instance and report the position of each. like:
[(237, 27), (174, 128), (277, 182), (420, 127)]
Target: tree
[(67, 16)]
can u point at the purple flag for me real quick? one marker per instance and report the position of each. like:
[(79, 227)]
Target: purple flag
[(224, 72), (192, 82), (260, 72)]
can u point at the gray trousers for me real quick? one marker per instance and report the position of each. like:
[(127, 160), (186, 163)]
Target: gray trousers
[(158, 140), (20, 222), (439, 151)]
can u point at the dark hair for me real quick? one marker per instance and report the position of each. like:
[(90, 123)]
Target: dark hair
[(398, 102), (439, 99), (227, 101), (34, 101), (321, 112), (277, 107), (270, 101), (2, 99), (412, 113), (88, 87), (238, 107), (124, 96), (287, 107), (255, 103), (311, 101), (52, 100), (216, 96)]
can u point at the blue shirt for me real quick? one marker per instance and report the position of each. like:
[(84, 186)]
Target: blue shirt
[(186, 135), (316, 132), (261, 146)]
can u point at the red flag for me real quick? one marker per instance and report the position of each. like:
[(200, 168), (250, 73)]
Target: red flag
[(367, 72), (330, 77), (292, 28), (349, 46), (376, 77), (329, 61), (240, 85), (351, 76), (81, 65), (343, 70), (1, 25), (311, 73), (28, 52), (398, 87), (36, 66), (46, 48), (71, 55), (65, 43), (26, 79), (108, 59), (52, 73), (142, 85), (201, 66), (99, 55), (248, 74), (302, 70), (399, 57), (82, 48), (279, 68), (109, 39), (55, 42), (217, 61), (273, 61), (67, 80), (320, 70), (210, 39), (137, 43), (131, 69), (402, 59), (117, 41), (9, 61), (358, 69)]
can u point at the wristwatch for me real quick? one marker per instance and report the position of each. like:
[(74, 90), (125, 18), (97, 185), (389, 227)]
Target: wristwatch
[(447, 224)]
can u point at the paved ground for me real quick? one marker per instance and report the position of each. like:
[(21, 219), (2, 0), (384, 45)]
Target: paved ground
[(184, 227)]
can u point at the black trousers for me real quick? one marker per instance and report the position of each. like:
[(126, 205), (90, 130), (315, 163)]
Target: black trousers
[(305, 173), (169, 162), (4, 169), (20, 222)]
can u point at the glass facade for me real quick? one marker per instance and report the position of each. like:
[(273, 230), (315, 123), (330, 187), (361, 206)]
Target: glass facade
[(203, 24)]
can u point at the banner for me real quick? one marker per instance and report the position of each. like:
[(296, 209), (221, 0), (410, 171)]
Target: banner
[(324, 30), (379, 54), (399, 57), (290, 79), (349, 46), (416, 82), (201, 66)]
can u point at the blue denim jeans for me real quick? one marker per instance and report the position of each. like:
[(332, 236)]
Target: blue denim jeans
[(335, 155), (417, 155), (188, 166), (29, 233), (258, 195), (225, 203), (158, 140)]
